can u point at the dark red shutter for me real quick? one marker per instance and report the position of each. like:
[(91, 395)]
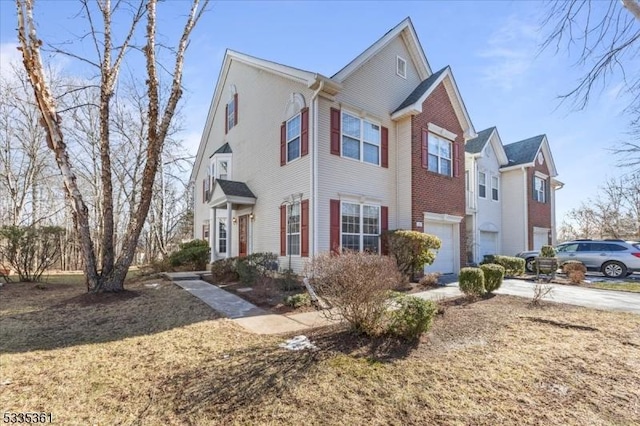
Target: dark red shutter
[(283, 230), (304, 131), (384, 160), (235, 109), (204, 190), (304, 228), (334, 226), (425, 152), (226, 118), (283, 144), (456, 159), (335, 131), (384, 226)]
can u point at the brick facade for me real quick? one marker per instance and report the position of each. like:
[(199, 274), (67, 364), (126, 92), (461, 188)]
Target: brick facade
[(433, 192), (539, 214)]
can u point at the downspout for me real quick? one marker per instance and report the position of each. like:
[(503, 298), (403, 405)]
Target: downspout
[(526, 208), (314, 168)]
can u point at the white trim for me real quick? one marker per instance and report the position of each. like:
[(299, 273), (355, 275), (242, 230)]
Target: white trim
[(361, 140), (416, 107), (401, 60), (433, 128), (541, 175), (361, 224), (447, 219), (410, 38), (442, 218), (485, 184), (358, 198), (299, 136), (497, 177)]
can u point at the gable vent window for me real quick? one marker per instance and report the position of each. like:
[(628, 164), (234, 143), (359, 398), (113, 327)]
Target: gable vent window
[(401, 67)]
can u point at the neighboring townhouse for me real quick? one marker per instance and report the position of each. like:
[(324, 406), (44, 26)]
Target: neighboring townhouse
[(529, 193), (297, 163), (485, 156), (510, 195)]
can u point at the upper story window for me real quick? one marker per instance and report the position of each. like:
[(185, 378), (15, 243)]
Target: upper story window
[(293, 138), (360, 226), (223, 170), (401, 67), (293, 229), (360, 139), (539, 189), (440, 155), (482, 185), (495, 185), (231, 113)]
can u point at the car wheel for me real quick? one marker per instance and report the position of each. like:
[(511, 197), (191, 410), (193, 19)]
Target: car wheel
[(614, 269), (530, 264)]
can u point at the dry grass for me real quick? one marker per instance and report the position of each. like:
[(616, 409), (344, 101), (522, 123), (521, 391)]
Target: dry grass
[(633, 287), (168, 360)]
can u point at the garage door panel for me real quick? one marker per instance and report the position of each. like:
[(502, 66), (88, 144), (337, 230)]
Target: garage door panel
[(488, 243), (445, 260)]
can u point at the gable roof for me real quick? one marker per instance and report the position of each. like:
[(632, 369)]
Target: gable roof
[(412, 105), (477, 144), (404, 29), (422, 88), (524, 153), (232, 188)]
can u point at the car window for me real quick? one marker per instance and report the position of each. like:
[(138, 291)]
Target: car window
[(637, 245), (584, 247), (613, 247), (566, 248)]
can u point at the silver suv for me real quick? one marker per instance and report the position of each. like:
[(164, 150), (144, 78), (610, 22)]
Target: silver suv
[(614, 258)]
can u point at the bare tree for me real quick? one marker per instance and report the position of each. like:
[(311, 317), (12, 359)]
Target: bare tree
[(607, 38), (108, 273)]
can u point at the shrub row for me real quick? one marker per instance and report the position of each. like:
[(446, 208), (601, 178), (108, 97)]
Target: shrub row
[(513, 266), (475, 282), (193, 254)]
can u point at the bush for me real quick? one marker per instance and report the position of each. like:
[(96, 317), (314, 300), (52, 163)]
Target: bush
[(412, 250), (193, 254), (575, 271), (430, 279), (412, 318), (224, 270), (256, 265), (513, 266), (298, 300), (472, 282), (30, 250), (547, 251), (288, 280), (493, 276), (357, 285)]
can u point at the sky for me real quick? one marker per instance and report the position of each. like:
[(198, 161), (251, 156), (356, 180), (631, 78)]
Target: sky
[(492, 47)]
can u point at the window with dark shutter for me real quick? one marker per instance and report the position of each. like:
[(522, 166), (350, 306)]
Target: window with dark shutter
[(283, 230), (384, 226), (384, 160), (304, 132), (304, 228), (334, 226), (335, 131)]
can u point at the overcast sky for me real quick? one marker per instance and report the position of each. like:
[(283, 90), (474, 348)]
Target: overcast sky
[(492, 47)]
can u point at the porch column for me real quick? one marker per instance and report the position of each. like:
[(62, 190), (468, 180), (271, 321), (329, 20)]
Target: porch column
[(229, 231), (212, 232)]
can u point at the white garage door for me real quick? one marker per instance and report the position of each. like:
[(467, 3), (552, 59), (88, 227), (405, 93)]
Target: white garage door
[(488, 243), (540, 238), (444, 262)]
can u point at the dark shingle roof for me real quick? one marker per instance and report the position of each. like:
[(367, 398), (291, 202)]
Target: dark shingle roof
[(233, 188), (523, 152), (478, 143), (420, 90), (224, 149)]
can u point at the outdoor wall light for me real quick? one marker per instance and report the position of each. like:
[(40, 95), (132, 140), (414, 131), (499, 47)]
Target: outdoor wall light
[(235, 220), (251, 216)]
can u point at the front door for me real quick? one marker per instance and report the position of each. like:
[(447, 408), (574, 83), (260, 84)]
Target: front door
[(243, 221)]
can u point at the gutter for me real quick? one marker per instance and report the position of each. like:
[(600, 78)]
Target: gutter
[(314, 167)]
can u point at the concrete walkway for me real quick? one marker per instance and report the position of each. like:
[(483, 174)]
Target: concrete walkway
[(244, 313), (259, 321)]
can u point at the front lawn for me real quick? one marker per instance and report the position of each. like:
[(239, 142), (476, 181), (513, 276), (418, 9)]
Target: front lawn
[(156, 355), (633, 287)]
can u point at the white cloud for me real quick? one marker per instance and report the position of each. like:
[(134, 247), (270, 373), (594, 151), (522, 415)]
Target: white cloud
[(510, 53), (9, 57)]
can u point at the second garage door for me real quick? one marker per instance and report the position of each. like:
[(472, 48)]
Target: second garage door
[(488, 243), (445, 261)]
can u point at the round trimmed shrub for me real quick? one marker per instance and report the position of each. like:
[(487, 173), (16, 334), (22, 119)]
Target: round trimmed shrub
[(547, 251), (472, 281), (412, 318), (493, 276), (573, 265)]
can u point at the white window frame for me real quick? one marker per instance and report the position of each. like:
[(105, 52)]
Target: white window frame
[(231, 119), (495, 188), (540, 195), (361, 234), (482, 185), (401, 70), (289, 232), (361, 139), (439, 140), (298, 136), (216, 167), (218, 238)]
